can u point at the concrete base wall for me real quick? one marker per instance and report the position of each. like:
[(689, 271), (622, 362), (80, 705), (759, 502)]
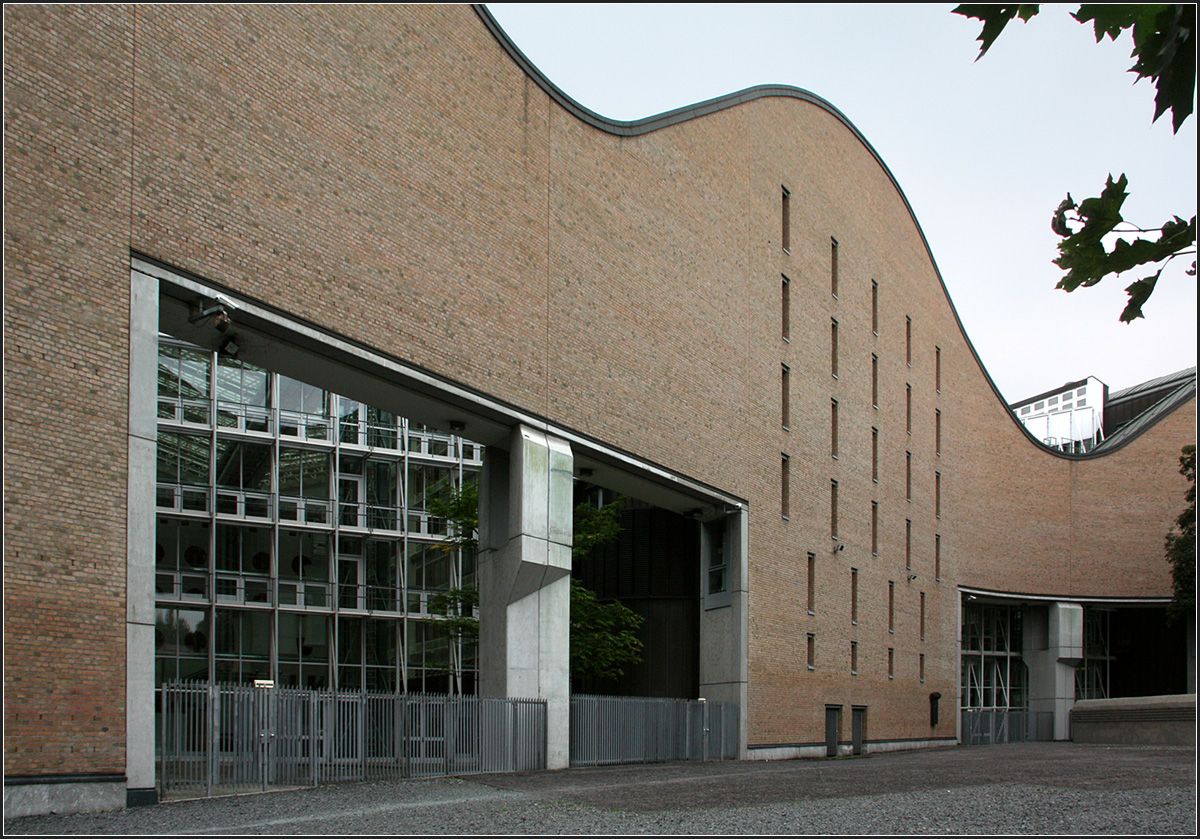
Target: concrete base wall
[(817, 750), (1136, 721), (61, 798)]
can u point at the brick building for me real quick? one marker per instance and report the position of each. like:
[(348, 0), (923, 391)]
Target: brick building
[(727, 312)]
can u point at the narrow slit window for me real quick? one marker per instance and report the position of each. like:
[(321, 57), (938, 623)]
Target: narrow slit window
[(937, 556), (908, 340), (786, 220), (785, 463), (786, 305), (937, 494), (785, 395), (891, 606), (833, 427), (875, 307), (908, 408), (937, 368), (812, 651), (908, 475), (875, 455), (833, 509), (833, 348), (812, 584), (874, 380), (874, 528), (922, 668), (922, 616), (833, 267), (853, 658), (854, 596), (937, 432), (908, 544), (891, 662)]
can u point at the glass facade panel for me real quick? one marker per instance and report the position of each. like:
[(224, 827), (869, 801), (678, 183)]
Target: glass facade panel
[(324, 585)]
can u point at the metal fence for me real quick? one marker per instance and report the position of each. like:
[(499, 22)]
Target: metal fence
[(981, 727), (625, 729), (224, 738)]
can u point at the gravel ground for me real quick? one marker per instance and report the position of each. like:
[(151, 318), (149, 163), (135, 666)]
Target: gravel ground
[(1035, 788)]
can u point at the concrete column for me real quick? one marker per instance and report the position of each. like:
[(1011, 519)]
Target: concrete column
[(724, 624), (525, 539), (1051, 657), (139, 579)]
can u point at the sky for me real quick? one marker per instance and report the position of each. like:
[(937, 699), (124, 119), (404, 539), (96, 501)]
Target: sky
[(983, 150)]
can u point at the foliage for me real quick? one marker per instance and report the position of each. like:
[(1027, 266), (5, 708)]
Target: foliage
[(457, 607), (603, 635), (1164, 39), (1181, 543), (461, 512), (595, 526)]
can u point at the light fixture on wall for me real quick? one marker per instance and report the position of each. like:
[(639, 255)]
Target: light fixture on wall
[(230, 346)]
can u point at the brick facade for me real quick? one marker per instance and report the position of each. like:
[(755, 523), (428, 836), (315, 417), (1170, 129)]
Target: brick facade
[(389, 173)]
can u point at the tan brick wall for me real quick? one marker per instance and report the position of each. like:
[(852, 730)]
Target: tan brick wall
[(387, 172), (66, 405)]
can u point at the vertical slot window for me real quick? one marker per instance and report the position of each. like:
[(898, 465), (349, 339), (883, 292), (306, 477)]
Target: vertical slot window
[(833, 428), (937, 556), (854, 596), (874, 528), (786, 305), (937, 494), (875, 455), (908, 475), (785, 221), (908, 409), (937, 432), (908, 340), (833, 509), (937, 369), (922, 668), (853, 658), (891, 606), (833, 267), (908, 544), (784, 482), (874, 380), (833, 348), (891, 662), (922, 616), (785, 396), (812, 584), (874, 307), (812, 651)]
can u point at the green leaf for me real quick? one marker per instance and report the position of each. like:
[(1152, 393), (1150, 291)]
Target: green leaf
[(994, 18), (1164, 44)]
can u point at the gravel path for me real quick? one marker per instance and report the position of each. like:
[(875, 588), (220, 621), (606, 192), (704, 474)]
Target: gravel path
[(1035, 788)]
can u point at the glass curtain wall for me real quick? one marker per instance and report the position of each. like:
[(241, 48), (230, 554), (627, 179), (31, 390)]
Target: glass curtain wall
[(993, 675), (294, 539)]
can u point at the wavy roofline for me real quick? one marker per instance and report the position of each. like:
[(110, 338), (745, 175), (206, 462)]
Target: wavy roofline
[(657, 122)]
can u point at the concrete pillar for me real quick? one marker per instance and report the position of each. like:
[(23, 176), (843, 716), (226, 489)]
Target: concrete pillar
[(525, 539), (1051, 656), (139, 574)]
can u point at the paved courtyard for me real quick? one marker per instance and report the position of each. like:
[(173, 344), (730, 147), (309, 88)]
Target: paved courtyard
[(1031, 788)]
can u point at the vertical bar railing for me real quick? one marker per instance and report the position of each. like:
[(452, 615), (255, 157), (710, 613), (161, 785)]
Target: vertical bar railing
[(623, 729), (221, 738)]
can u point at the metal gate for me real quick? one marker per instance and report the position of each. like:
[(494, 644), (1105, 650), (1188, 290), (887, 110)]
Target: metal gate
[(985, 727), (222, 738), (634, 729)]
